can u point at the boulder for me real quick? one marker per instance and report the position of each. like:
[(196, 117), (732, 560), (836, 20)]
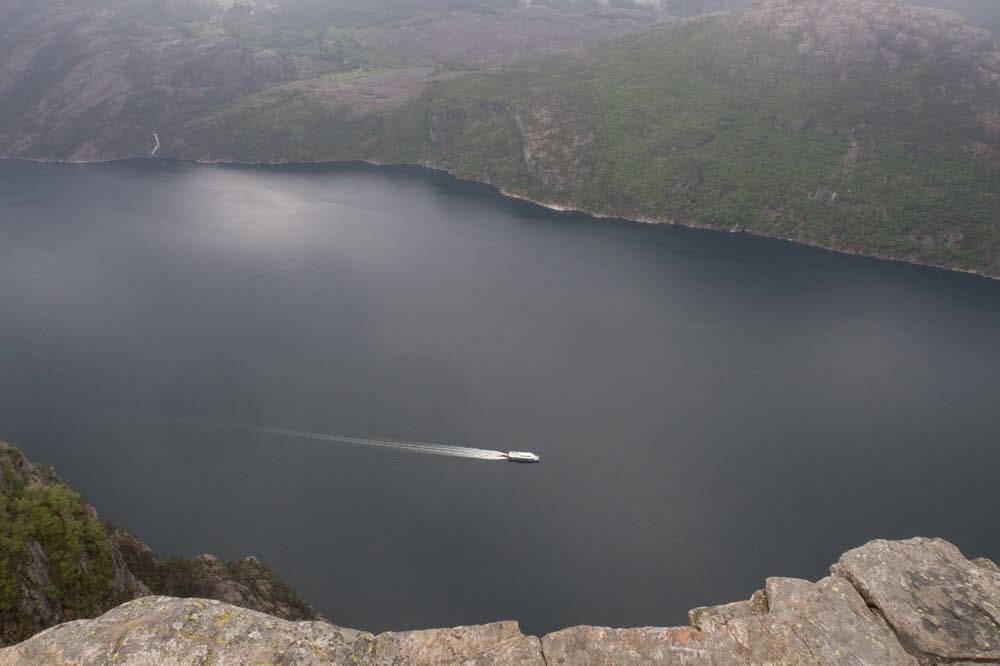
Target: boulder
[(940, 604)]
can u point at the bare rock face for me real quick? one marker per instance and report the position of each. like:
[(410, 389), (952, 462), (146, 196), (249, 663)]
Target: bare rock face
[(163, 630), (167, 631), (847, 38), (838, 33), (940, 604), (77, 81), (791, 622), (245, 582), (874, 42), (478, 41), (888, 602), (497, 643), (556, 146)]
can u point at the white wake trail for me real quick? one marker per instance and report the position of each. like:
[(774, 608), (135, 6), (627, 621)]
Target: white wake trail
[(413, 447)]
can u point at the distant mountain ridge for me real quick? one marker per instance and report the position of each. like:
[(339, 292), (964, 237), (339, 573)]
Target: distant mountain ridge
[(863, 126)]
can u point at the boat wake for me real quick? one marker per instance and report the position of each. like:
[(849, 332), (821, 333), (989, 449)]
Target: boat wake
[(399, 445), (412, 447)]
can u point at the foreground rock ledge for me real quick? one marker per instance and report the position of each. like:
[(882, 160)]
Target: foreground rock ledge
[(888, 602)]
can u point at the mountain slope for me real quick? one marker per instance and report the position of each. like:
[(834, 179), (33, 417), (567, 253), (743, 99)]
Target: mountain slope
[(858, 126), (91, 80), (863, 126), (78, 83), (866, 127)]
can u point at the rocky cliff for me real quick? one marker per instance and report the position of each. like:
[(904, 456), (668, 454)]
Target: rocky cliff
[(888, 602), (59, 561)]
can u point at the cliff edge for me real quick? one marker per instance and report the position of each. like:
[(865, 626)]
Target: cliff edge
[(918, 601)]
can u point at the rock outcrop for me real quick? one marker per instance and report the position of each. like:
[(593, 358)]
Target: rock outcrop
[(245, 582), (94, 81), (83, 83), (841, 33), (938, 603), (843, 37), (166, 631), (888, 602)]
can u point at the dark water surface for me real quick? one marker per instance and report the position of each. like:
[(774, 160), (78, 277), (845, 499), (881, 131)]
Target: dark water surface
[(711, 409)]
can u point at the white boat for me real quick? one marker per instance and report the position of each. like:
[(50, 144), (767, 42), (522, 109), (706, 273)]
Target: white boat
[(522, 456)]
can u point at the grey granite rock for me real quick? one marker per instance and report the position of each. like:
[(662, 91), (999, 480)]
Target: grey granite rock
[(630, 647), (497, 643), (941, 605), (888, 602), (791, 622), (167, 631), (164, 631), (837, 33)]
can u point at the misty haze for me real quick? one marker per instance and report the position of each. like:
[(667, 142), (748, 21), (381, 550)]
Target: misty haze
[(509, 331)]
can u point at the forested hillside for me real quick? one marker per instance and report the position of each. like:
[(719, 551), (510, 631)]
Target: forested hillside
[(863, 127), (826, 123)]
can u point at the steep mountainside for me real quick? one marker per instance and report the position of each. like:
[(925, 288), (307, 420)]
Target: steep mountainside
[(59, 562), (888, 602), (96, 79), (865, 126), (862, 126), (76, 83)]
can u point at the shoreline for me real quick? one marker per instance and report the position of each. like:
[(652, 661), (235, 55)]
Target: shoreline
[(549, 205)]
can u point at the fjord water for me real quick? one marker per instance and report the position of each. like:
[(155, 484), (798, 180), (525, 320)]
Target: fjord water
[(711, 409)]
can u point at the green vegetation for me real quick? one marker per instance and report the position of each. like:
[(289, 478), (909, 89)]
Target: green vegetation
[(687, 124), (355, 74), (324, 30), (324, 36), (482, 144), (42, 510), (327, 30)]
